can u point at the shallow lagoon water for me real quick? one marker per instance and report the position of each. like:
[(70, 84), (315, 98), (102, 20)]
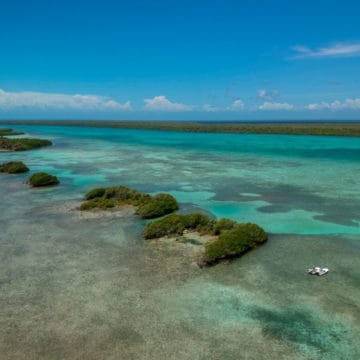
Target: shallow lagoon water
[(77, 287)]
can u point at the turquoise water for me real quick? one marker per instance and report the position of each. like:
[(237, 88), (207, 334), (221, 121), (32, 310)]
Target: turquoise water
[(89, 287)]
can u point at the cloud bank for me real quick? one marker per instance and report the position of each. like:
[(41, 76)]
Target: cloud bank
[(161, 103), (271, 106), (348, 104), (336, 50), (211, 108), (39, 100), (24, 101), (237, 105)]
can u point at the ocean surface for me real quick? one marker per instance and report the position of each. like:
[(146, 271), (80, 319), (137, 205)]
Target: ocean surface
[(88, 286)]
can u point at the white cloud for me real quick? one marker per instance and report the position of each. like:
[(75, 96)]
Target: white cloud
[(117, 106), (237, 105), (319, 106), (348, 104), (39, 100), (161, 103), (275, 106), (353, 104), (211, 108), (336, 50), (268, 95)]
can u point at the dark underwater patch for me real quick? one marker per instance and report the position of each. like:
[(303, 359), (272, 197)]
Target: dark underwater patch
[(282, 198), (300, 327)]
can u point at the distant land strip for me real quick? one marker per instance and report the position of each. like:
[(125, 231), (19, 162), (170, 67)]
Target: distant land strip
[(309, 128)]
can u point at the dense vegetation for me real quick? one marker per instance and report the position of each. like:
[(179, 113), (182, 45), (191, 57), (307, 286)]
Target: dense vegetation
[(148, 206), (22, 144), (157, 206), (176, 224), (14, 167), (234, 242), (232, 239), (329, 129), (9, 132), (43, 179)]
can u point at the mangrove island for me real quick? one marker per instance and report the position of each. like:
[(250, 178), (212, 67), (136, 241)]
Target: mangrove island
[(13, 167), (224, 238), (43, 179), (148, 207)]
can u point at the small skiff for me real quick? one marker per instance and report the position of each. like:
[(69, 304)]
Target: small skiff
[(318, 271)]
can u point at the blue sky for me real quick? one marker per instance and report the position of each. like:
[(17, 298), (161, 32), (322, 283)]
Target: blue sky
[(191, 60)]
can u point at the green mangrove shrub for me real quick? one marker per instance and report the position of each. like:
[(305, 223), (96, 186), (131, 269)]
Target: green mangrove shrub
[(14, 167), (157, 206), (234, 242), (223, 224), (176, 224), (199, 222), (170, 225), (43, 179), (99, 203), (95, 193)]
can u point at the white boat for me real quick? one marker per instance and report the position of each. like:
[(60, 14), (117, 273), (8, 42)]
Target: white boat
[(318, 271)]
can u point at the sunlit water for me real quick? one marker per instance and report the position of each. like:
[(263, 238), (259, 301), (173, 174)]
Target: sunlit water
[(90, 287)]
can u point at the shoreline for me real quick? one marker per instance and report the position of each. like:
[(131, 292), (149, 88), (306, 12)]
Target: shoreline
[(348, 129)]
